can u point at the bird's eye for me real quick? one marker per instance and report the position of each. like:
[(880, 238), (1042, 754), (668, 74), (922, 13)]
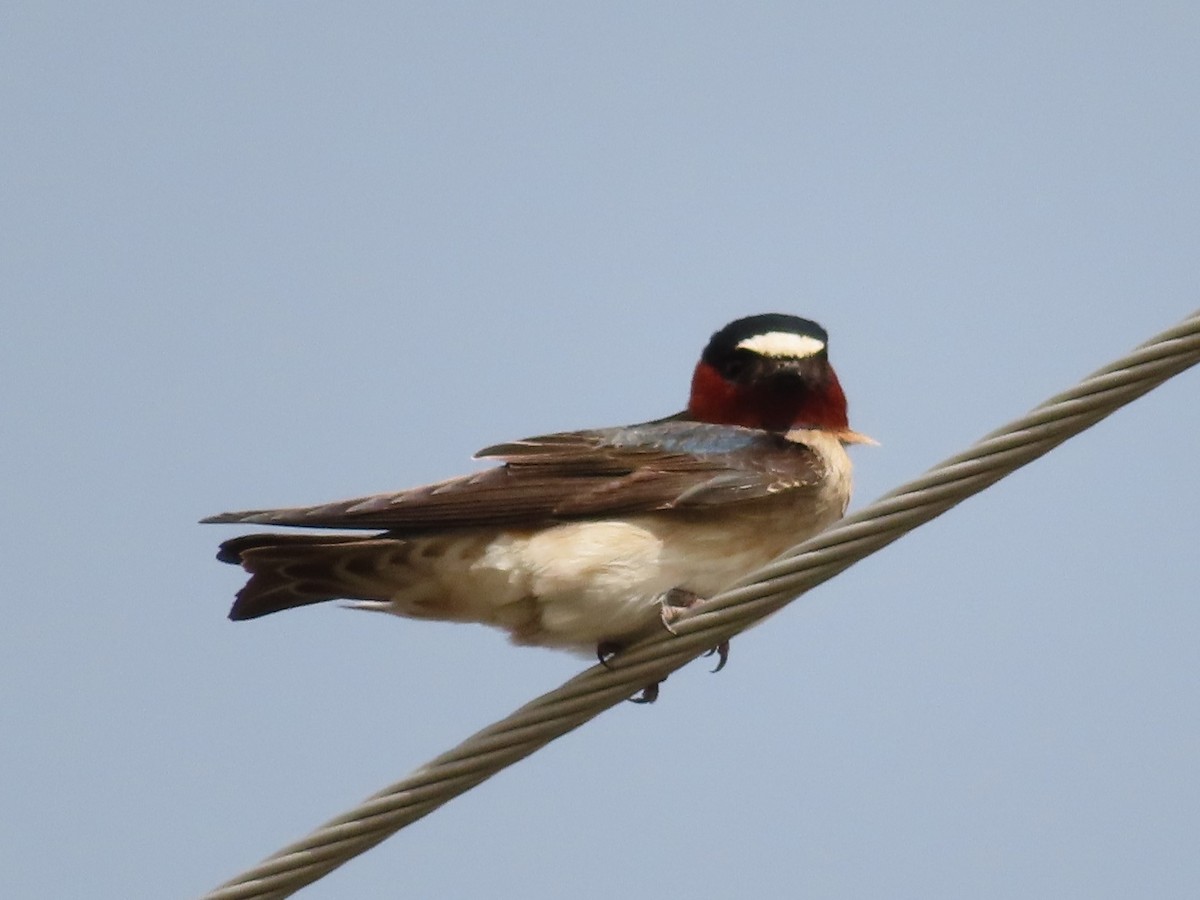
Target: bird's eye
[(737, 364)]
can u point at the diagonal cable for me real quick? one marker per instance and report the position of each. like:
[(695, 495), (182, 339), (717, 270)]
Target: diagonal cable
[(732, 611)]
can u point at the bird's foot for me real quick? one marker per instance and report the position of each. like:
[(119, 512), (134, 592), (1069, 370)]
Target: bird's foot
[(674, 602), (605, 651)]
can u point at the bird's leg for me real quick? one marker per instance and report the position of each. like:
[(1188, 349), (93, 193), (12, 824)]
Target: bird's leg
[(676, 601)]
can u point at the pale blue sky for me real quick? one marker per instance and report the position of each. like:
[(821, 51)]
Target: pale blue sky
[(279, 253)]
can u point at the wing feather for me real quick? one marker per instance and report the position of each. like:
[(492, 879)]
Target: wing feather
[(659, 466)]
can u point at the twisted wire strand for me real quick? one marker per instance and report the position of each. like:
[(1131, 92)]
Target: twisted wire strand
[(758, 595)]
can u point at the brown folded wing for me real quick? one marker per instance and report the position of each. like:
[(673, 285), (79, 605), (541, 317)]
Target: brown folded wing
[(583, 474)]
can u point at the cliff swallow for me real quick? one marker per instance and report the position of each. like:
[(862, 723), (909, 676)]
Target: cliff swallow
[(589, 540)]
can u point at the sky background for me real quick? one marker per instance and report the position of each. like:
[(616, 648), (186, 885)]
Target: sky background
[(280, 253)]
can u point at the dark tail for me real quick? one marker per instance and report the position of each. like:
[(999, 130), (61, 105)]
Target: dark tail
[(291, 570)]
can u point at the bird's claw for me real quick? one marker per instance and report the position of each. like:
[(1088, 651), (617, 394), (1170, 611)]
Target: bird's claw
[(722, 651), (605, 651), (648, 694)]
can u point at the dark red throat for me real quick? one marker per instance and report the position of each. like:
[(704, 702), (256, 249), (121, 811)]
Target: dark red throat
[(815, 401)]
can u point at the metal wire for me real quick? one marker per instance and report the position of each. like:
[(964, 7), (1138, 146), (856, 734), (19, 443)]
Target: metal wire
[(720, 618)]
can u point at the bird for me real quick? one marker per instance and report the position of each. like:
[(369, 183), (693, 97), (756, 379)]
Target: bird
[(589, 540)]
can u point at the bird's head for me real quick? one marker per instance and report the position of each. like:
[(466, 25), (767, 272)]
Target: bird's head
[(771, 372)]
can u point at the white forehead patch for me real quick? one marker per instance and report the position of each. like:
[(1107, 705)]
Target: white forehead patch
[(782, 345)]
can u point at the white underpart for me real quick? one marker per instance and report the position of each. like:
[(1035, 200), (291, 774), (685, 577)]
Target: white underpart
[(782, 345), (581, 583)]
